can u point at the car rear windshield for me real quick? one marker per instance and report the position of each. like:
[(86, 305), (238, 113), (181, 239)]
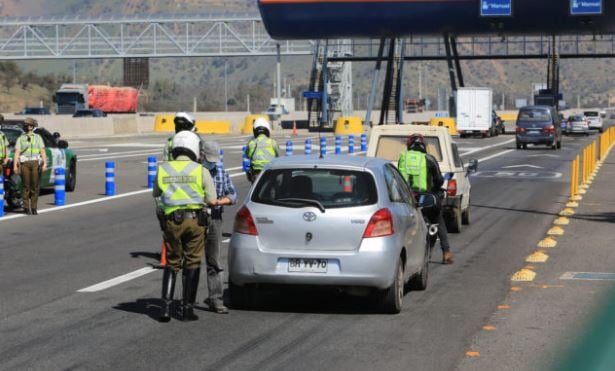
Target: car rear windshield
[(591, 114), (322, 188), (534, 114), (576, 118), (390, 147)]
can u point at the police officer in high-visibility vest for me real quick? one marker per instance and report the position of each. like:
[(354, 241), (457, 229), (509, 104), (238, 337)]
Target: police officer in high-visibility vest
[(183, 188), (183, 122), (4, 148), (261, 149), (422, 173), (29, 161)]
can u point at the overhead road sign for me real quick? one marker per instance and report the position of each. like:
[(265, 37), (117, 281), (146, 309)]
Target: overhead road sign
[(586, 7), (496, 8), (312, 94)]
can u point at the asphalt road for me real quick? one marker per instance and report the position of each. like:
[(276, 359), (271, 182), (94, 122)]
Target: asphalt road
[(46, 323)]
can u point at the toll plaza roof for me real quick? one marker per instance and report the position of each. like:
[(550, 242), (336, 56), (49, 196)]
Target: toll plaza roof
[(330, 19)]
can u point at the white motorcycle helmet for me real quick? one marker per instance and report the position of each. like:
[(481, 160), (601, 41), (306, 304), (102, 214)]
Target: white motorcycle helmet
[(186, 143), (261, 126), (184, 121)]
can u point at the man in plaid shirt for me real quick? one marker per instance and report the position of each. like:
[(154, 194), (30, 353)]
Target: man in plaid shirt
[(227, 195)]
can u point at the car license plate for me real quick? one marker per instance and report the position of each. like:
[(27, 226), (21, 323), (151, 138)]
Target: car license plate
[(303, 265), (533, 132)]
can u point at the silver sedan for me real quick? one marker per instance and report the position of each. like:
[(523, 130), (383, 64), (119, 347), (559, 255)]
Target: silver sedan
[(343, 221)]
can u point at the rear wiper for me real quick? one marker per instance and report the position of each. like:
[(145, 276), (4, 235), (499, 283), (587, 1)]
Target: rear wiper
[(308, 201)]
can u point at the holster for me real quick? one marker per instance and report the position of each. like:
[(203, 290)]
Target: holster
[(161, 219), (203, 218)]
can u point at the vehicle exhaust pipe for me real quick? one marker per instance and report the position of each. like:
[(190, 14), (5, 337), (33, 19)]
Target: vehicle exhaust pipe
[(433, 230)]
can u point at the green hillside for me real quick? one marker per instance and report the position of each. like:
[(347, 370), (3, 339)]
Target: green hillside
[(176, 81)]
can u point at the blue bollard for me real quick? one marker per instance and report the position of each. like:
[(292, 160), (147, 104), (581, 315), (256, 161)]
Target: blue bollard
[(60, 186), (351, 144), (289, 148), (308, 147), (363, 143), (110, 178), (323, 146), (1, 195), (151, 171), (338, 145), (222, 156), (245, 160)]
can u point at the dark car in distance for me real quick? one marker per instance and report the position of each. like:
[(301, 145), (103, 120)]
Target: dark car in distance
[(93, 112), (538, 125)]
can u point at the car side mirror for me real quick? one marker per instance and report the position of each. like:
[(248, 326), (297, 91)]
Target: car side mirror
[(63, 144), (473, 166)]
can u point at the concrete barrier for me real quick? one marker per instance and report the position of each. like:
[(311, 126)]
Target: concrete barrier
[(213, 127), (348, 125), (448, 122)]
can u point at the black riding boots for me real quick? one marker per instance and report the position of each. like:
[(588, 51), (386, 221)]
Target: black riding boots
[(168, 289), (191, 285)]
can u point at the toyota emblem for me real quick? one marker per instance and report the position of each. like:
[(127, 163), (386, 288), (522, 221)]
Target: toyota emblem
[(309, 216)]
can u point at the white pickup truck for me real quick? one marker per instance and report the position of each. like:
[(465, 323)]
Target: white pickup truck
[(389, 141)]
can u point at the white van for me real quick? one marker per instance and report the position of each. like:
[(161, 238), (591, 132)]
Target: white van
[(475, 112), (389, 141)]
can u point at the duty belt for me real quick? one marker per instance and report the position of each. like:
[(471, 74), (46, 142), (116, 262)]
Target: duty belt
[(183, 214)]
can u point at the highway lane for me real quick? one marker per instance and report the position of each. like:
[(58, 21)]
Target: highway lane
[(42, 268)]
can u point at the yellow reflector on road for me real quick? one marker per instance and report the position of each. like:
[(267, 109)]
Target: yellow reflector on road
[(567, 212), (562, 221), (555, 231), (537, 257), (524, 275), (547, 243)]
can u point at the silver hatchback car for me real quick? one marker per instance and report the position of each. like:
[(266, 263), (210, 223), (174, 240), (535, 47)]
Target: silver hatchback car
[(343, 221)]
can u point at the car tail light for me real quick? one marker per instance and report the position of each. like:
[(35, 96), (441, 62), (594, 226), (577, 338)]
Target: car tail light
[(244, 222), (549, 129), (451, 189), (380, 225), (520, 130)]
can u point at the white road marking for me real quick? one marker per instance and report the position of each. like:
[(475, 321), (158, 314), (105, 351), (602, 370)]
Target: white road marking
[(226, 241), (524, 165), (115, 153), (487, 147), (118, 280), (494, 156), (111, 157)]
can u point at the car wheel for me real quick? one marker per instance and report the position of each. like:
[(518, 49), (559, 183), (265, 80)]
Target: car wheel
[(71, 181), (518, 145), (524, 146), (465, 215), (453, 222), (462, 136), (393, 296), (241, 297), (554, 145), (503, 131), (559, 144), (419, 281)]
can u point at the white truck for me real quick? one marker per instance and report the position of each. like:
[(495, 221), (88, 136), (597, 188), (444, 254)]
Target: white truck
[(474, 112), (389, 141)]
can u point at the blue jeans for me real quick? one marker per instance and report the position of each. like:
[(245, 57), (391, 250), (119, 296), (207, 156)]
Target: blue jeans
[(212, 259)]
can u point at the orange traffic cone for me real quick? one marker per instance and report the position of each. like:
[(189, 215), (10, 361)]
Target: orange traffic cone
[(294, 128), (163, 254), (347, 184)]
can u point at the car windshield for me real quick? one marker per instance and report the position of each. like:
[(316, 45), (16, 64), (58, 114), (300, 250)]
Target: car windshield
[(591, 114), (67, 98), (576, 118), (390, 147), (534, 114), (12, 134), (321, 188)]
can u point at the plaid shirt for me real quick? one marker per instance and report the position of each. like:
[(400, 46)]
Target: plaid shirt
[(224, 188)]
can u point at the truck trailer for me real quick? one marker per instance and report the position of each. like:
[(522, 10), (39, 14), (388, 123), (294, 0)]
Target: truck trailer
[(74, 97)]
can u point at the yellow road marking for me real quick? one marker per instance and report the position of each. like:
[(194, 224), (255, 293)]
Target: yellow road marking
[(572, 204), (515, 289), (562, 220), (472, 354), (576, 198), (547, 243), (555, 231), (503, 307), (582, 191), (524, 275), (566, 212), (537, 257), (489, 328)]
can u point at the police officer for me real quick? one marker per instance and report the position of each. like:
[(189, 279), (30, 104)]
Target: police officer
[(422, 173), (183, 188), (183, 122), (29, 155), (4, 148), (261, 149), (227, 195)]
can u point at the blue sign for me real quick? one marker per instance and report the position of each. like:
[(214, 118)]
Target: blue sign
[(495, 8), (312, 94), (585, 7)]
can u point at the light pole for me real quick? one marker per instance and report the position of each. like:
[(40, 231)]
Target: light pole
[(225, 89)]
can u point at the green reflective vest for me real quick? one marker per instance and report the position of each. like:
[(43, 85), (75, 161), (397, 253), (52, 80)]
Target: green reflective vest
[(181, 183), (3, 144), (30, 150), (261, 151), (413, 168)]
